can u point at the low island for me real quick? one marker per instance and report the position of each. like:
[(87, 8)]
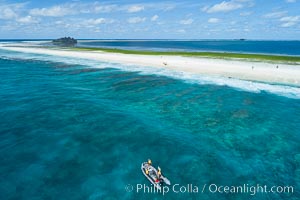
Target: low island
[(274, 69), (65, 41)]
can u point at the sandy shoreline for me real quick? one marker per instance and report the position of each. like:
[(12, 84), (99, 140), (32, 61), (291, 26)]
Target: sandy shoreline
[(245, 70)]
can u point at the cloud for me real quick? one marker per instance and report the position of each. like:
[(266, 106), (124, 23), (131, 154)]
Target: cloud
[(275, 14), (290, 1), (225, 6), (168, 7), (55, 11), (99, 21), (129, 8), (59, 22), (27, 20), (181, 31), (186, 21), (289, 21), (7, 13), (245, 13), (77, 7), (205, 8), (154, 18), (232, 30), (213, 20), (10, 11), (135, 8), (97, 30), (135, 20), (82, 23), (14, 11), (102, 8)]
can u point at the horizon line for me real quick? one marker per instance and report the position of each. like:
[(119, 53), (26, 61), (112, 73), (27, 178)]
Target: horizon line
[(179, 39)]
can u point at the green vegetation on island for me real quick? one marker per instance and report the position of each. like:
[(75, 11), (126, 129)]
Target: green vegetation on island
[(217, 55), (65, 42)]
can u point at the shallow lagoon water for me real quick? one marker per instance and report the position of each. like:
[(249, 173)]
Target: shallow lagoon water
[(77, 132)]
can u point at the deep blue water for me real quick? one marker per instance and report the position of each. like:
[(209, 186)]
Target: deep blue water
[(70, 131), (247, 46)]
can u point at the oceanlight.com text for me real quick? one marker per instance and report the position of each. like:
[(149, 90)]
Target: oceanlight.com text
[(248, 189), (210, 188)]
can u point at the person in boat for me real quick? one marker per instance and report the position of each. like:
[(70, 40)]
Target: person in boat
[(159, 173), (159, 178), (149, 163)]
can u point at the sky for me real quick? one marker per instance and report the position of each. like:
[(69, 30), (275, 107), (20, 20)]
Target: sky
[(156, 19)]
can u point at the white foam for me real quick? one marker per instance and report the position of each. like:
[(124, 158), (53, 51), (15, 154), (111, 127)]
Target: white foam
[(59, 59), (250, 86)]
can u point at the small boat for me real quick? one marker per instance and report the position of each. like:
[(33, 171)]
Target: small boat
[(154, 175)]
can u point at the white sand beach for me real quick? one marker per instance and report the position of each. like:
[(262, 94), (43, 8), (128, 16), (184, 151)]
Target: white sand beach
[(239, 69)]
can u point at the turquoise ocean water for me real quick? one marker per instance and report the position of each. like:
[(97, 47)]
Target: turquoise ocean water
[(238, 46), (77, 129)]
